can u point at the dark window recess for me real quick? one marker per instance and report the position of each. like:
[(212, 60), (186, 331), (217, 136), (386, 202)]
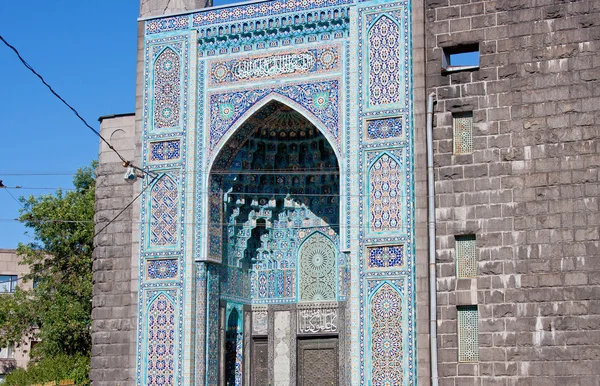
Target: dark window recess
[(460, 58)]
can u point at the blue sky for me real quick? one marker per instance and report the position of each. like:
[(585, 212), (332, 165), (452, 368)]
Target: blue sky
[(87, 52)]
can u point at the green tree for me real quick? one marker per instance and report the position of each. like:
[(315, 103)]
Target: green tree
[(57, 312)]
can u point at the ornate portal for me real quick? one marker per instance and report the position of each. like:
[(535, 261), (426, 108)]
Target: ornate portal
[(277, 240)]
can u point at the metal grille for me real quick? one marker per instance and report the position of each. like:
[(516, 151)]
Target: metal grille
[(466, 256), (462, 125), (468, 334)]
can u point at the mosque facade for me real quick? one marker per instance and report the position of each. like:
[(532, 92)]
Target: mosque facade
[(279, 232)]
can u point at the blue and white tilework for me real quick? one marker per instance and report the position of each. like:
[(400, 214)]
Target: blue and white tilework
[(165, 150), (385, 256), (385, 128), (162, 268), (223, 87)]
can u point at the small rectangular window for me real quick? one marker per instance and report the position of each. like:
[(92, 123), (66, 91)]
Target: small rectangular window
[(466, 256), (462, 126), (461, 58), (7, 352), (468, 334), (8, 283)]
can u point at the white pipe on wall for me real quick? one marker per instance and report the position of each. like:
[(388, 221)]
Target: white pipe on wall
[(431, 228)]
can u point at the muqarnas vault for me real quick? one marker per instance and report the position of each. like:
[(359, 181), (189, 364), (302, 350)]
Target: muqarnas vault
[(277, 240)]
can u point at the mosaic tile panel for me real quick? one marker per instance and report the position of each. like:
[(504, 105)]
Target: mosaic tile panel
[(462, 125), (283, 63), (385, 66), (163, 223), (165, 150), (201, 288), (386, 345), (385, 256), (466, 256), (212, 311), (161, 342), (385, 182), (468, 334), (234, 345), (259, 10), (162, 268), (167, 24), (384, 128), (317, 258), (167, 90)]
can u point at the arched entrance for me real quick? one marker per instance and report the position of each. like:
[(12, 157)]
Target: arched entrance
[(274, 219)]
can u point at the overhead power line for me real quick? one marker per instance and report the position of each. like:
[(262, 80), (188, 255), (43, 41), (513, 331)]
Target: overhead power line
[(34, 72), (10, 194), (124, 209)]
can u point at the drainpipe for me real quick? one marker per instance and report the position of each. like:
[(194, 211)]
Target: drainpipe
[(431, 227)]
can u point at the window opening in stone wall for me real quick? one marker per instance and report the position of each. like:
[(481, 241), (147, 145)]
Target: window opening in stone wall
[(468, 334), (466, 256), (460, 58), (7, 352), (8, 283), (462, 126)]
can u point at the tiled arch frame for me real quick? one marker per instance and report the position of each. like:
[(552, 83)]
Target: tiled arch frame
[(214, 252), (273, 96)]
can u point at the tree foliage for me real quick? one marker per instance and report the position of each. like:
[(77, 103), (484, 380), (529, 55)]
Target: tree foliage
[(57, 311), (56, 368)]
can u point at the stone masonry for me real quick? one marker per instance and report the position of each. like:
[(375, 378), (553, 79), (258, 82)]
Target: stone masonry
[(528, 192), (114, 291), (150, 8)]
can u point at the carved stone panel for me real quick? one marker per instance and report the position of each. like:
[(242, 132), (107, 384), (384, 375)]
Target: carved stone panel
[(317, 320), (260, 362), (318, 362), (259, 322)]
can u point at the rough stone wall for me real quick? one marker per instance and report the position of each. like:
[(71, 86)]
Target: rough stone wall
[(114, 302), (529, 191), (150, 8)]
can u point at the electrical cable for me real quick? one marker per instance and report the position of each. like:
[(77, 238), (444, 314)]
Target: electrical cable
[(13, 197), (124, 209), (270, 171), (30, 68), (38, 188)]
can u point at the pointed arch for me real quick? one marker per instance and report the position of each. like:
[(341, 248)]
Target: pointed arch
[(161, 339), (164, 200), (167, 89), (274, 96), (384, 57), (317, 260), (386, 343), (385, 193)]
